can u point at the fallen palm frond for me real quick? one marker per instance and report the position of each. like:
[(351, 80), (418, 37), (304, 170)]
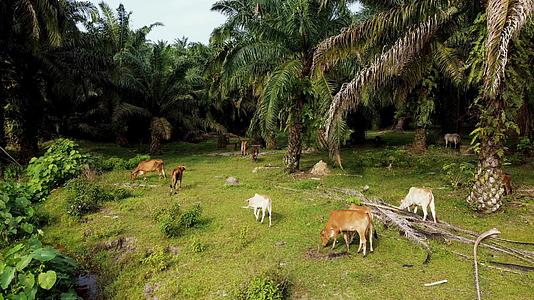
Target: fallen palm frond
[(418, 231)]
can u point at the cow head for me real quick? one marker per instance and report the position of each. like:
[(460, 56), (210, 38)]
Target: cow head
[(404, 204), (325, 238)]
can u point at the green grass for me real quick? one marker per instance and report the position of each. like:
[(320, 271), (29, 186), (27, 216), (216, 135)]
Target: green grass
[(235, 248)]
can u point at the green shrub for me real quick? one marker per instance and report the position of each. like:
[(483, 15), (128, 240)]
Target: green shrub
[(168, 220), (191, 217), (134, 161), (307, 184), (84, 197), (115, 163), (16, 212), (353, 200), (264, 287), (31, 271), (120, 193), (459, 174), (172, 221), (157, 259), (524, 145), (61, 162)]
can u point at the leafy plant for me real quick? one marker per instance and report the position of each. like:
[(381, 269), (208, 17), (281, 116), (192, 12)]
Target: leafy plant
[(84, 197), (157, 259), (191, 217), (31, 271), (459, 174), (120, 193), (168, 220), (270, 286), (16, 212), (197, 247), (353, 200), (61, 162), (525, 145)]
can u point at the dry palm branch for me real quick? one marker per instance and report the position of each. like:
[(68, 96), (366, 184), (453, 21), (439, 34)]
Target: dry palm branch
[(419, 231)]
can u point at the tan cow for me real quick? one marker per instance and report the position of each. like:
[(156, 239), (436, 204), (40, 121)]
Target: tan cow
[(345, 221), (507, 184), (152, 165)]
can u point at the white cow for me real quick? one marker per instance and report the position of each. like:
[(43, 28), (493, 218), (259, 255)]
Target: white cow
[(452, 138), (260, 202), (419, 197)]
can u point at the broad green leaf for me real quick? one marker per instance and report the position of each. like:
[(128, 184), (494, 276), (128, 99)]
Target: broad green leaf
[(47, 280), (43, 254), (27, 227), (13, 250), (6, 277), (24, 262)]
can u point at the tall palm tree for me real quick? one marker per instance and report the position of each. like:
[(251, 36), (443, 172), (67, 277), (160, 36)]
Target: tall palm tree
[(427, 23), (29, 31), (275, 52)]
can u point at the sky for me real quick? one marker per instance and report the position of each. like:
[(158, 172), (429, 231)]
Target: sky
[(190, 18)]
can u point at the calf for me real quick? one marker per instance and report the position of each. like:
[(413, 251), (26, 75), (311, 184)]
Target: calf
[(255, 152), (244, 147), (507, 184), (349, 220), (176, 176), (365, 209), (452, 138), (152, 165), (260, 202), (419, 197)]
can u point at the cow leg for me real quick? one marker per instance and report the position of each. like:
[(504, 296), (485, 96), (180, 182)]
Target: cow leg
[(335, 239), (262, 214), (415, 210), (425, 212), (256, 213), (346, 237), (180, 184), (363, 242), (433, 210)]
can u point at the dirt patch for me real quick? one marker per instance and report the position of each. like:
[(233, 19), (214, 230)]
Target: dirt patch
[(315, 254)]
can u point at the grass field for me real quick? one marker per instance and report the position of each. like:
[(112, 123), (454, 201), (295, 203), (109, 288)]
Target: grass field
[(236, 248)]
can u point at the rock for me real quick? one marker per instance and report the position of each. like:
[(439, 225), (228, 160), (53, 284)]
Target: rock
[(280, 244), (365, 188), (231, 181), (320, 169), (149, 291)]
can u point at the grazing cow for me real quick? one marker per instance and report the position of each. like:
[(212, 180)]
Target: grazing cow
[(452, 138), (365, 209), (146, 166), (420, 197), (255, 152), (176, 176), (244, 147), (507, 184), (345, 221), (260, 202)]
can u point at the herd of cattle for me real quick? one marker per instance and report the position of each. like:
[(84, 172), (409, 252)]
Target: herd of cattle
[(355, 219)]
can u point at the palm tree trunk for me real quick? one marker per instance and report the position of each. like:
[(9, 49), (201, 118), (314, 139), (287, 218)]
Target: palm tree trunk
[(486, 194), (270, 141), (419, 142), (294, 146), (155, 143)]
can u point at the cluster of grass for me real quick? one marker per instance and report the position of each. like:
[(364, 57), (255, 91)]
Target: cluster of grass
[(233, 248)]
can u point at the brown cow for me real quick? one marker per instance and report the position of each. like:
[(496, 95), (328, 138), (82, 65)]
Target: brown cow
[(344, 221), (244, 147), (255, 152), (152, 165), (507, 184), (176, 176)]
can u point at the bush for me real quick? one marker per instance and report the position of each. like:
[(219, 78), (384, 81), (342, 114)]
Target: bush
[(524, 145), (61, 162), (191, 217), (265, 287), (168, 220), (120, 193), (172, 221), (459, 174), (134, 161), (84, 198), (157, 259), (16, 212), (31, 271)]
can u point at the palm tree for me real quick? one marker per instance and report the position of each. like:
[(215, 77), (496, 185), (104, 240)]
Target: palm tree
[(428, 23), (29, 31), (274, 53)]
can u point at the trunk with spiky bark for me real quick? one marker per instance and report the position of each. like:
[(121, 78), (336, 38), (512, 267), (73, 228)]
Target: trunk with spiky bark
[(419, 142), (270, 141), (294, 146), (487, 192), (155, 143)]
